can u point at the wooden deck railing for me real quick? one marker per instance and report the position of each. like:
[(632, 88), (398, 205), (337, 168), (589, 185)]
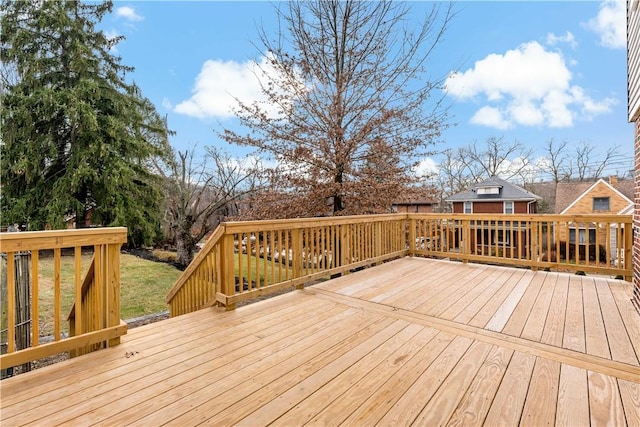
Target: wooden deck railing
[(95, 314), (243, 260), (599, 244)]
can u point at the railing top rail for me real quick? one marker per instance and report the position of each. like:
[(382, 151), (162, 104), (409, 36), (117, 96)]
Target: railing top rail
[(279, 224), (202, 254), (526, 217), (53, 239)]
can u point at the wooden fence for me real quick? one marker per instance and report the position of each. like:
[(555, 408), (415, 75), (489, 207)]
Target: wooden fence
[(95, 313), (244, 260)]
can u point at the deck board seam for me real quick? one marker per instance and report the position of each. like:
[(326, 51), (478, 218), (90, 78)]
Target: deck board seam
[(586, 361)]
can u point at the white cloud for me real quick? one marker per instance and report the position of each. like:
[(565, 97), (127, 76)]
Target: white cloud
[(525, 113), (220, 82), (568, 38), (112, 34), (556, 107), (167, 104), (528, 71), (128, 13), (426, 168), (610, 24), (527, 86), (491, 117)]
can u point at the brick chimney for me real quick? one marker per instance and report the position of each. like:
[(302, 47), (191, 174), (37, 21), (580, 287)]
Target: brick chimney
[(613, 180)]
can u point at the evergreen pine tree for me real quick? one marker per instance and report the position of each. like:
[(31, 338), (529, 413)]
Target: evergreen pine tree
[(76, 135)]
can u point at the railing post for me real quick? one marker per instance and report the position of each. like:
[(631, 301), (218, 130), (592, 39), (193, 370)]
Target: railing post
[(466, 244), (296, 248), (378, 247), (11, 302), (227, 268), (412, 236), (344, 246), (113, 289), (535, 250), (628, 254)]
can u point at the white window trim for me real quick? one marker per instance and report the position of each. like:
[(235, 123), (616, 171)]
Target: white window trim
[(504, 207), (505, 240), (464, 207)]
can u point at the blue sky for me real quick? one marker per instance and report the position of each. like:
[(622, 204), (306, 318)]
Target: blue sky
[(526, 71)]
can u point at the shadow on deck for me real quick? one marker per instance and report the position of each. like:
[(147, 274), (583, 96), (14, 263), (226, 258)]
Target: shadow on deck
[(412, 341)]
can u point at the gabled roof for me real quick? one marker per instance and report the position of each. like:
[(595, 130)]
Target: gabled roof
[(586, 187), (508, 192), (567, 193)]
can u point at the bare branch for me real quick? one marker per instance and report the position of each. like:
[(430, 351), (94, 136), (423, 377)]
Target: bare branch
[(345, 86)]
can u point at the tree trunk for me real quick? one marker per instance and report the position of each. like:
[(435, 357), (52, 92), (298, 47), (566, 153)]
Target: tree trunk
[(185, 248), (81, 214), (337, 197)]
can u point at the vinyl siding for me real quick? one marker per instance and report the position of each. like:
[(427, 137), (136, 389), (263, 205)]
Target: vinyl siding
[(633, 59)]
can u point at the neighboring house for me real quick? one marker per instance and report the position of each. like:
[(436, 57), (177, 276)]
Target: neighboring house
[(70, 219), (496, 196), (568, 194), (633, 109), (547, 191), (601, 197), (413, 206)]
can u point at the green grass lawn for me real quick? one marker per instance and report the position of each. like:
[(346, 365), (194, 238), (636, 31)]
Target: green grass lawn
[(249, 263), (144, 286)]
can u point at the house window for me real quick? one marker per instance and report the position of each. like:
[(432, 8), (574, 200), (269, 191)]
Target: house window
[(468, 207), (502, 237), (488, 190), (582, 236), (508, 207), (600, 204)]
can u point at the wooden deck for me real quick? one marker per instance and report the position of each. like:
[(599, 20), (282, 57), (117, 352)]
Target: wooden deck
[(412, 341)]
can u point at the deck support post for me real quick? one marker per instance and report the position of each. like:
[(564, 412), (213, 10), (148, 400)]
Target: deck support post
[(466, 246), (112, 296), (412, 236), (227, 269), (535, 250), (296, 256)]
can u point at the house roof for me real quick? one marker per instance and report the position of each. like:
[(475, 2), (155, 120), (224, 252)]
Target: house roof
[(546, 190), (567, 193), (589, 187), (508, 191)]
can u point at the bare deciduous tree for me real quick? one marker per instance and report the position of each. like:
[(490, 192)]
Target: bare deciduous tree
[(452, 176), (586, 166), (556, 162), (498, 157), (198, 194), (350, 90)]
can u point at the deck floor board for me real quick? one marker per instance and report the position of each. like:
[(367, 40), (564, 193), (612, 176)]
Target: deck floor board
[(411, 341)]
